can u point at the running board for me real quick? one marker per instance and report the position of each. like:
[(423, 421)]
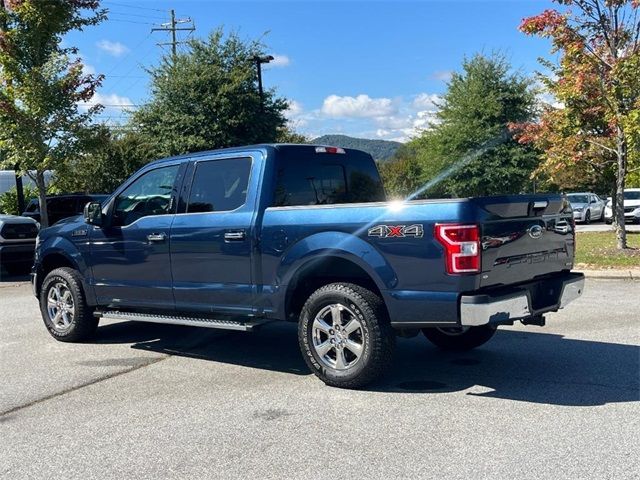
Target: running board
[(179, 320)]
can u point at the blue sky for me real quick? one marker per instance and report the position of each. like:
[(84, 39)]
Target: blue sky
[(364, 68)]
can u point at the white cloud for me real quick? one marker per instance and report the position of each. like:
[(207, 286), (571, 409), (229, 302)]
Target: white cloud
[(88, 69), (399, 119), (113, 103), (426, 101), (296, 115), (442, 75), (115, 49), (112, 100), (361, 106), (294, 110), (279, 61)]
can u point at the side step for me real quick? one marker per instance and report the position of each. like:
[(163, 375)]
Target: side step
[(179, 320)]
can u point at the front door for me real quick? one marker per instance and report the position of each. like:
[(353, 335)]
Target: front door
[(130, 254), (211, 241)]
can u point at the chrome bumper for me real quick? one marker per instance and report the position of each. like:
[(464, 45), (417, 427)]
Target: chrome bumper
[(483, 309)]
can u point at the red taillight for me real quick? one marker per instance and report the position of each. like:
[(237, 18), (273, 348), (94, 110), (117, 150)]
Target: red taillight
[(462, 247)]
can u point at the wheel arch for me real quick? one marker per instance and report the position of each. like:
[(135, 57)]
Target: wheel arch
[(62, 253), (320, 271)]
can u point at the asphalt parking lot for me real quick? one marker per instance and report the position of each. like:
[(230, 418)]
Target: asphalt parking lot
[(603, 227), (147, 401)]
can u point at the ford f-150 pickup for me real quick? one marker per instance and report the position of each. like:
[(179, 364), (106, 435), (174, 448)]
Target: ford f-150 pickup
[(239, 237)]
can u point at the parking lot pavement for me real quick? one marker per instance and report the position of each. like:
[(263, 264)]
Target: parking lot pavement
[(603, 227), (147, 401)]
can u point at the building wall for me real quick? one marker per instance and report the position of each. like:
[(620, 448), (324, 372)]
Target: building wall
[(8, 180)]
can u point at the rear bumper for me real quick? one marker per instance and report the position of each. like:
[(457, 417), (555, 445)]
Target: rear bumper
[(521, 303), (502, 305)]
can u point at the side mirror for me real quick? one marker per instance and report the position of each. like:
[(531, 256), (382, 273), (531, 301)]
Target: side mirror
[(93, 213)]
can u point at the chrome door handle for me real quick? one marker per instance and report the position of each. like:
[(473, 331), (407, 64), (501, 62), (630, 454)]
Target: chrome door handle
[(236, 236), (156, 237)]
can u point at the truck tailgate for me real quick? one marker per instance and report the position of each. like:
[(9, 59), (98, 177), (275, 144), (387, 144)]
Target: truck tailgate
[(524, 237)]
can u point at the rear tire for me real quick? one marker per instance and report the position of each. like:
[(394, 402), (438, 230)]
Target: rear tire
[(459, 338), (345, 335), (64, 309)]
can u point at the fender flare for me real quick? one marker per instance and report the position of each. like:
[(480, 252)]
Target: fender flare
[(341, 245), (65, 248)]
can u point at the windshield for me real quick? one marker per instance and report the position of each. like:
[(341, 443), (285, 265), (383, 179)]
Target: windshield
[(632, 195), (578, 198), (32, 206)]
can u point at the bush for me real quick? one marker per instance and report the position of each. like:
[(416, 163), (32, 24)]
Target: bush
[(9, 200)]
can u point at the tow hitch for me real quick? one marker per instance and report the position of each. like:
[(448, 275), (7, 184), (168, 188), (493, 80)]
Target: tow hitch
[(538, 320)]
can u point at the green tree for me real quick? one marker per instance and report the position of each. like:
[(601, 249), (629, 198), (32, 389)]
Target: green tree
[(470, 139), (111, 156), (208, 98), (596, 81), (41, 85), (401, 174), (287, 134), (9, 200)]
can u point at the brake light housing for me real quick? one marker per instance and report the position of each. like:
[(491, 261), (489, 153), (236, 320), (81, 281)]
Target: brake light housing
[(461, 246), (331, 150)]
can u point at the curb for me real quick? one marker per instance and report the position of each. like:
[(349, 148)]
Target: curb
[(612, 274)]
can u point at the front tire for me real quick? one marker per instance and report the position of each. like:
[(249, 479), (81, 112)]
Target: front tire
[(587, 217), (64, 310), (345, 335), (459, 338)]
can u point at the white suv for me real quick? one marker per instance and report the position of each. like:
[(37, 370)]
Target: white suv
[(631, 207)]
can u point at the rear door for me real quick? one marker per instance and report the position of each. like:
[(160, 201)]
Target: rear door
[(212, 238), (524, 237)]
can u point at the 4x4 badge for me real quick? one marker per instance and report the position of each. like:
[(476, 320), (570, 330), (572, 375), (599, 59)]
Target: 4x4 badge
[(397, 231)]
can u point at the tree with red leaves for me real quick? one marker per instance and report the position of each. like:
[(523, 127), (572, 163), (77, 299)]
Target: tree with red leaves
[(596, 82), (42, 84)]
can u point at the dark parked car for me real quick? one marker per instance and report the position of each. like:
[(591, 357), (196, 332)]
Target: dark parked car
[(17, 243), (61, 206)]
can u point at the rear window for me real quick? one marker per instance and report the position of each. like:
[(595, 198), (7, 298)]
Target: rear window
[(632, 195), (579, 198), (304, 177)]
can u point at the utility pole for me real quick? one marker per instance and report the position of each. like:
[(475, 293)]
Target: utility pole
[(259, 61), (173, 27)]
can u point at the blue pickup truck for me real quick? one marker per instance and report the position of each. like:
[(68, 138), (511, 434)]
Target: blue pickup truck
[(236, 238)]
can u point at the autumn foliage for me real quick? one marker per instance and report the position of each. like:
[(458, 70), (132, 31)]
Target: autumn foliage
[(591, 136)]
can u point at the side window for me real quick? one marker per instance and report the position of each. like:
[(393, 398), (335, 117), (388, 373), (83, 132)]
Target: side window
[(219, 185), (148, 195)]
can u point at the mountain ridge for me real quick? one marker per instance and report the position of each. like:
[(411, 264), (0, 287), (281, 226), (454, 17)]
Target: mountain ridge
[(380, 150)]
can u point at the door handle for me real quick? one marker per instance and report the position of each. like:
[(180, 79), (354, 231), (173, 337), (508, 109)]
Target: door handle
[(236, 236), (156, 237)]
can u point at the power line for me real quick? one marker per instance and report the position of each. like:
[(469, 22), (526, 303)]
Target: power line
[(126, 5), (121, 61), (125, 14), (130, 21)]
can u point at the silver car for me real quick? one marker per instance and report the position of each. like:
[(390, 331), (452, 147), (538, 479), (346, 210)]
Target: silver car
[(586, 206)]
